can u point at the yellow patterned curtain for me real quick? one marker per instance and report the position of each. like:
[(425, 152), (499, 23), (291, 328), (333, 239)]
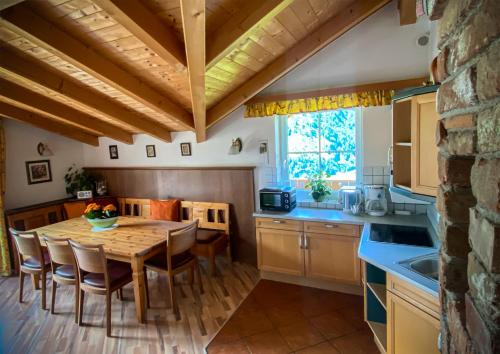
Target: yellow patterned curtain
[(325, 103), (4, 246)]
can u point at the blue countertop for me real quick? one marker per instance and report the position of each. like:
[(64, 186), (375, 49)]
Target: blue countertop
[(385, 256)]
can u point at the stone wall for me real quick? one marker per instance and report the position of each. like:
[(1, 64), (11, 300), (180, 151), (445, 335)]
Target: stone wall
[(469, 169)]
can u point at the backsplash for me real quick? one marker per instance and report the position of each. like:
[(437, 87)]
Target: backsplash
[(371, 175)]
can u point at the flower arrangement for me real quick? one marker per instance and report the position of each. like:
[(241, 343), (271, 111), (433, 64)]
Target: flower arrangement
[(318, 186), (95, 211)]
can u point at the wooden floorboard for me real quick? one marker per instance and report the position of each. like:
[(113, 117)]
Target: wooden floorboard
[(25, 328)]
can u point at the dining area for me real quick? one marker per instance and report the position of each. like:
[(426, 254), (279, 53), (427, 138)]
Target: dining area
[(141, 280)]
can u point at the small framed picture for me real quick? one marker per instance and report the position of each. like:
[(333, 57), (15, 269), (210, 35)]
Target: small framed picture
[(150, 151), (186, 149), (38, 171), (113, 152)]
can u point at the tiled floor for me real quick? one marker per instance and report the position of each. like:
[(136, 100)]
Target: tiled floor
[(282, 318)]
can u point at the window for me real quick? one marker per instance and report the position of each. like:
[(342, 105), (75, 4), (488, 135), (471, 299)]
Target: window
[(326, 141)]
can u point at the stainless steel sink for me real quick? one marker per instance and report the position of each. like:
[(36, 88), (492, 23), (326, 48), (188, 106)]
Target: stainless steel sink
[(427, 266)]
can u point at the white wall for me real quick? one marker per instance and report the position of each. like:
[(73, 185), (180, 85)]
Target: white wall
[(376, 135), (21, 141)]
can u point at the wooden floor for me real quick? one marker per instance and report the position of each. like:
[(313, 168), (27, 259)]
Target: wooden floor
[(281, 318), (25, 328)]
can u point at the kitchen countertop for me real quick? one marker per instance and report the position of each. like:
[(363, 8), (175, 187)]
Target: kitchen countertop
[(386, 256)]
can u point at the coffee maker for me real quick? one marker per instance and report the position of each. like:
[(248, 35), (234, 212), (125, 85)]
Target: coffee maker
[(375, 200)]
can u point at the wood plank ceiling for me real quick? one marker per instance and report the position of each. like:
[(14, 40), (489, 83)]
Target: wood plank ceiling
[(91, 68)]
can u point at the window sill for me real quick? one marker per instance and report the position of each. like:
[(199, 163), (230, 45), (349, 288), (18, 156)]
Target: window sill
[(328, 204)]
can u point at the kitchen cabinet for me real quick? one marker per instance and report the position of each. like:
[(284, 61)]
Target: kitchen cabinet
[(410, 330), (280, 251), (332, 257), (314, 250), (414, 150)]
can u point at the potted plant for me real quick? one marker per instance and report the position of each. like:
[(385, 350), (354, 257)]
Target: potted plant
[(78, 180), (101, 217), (319, 188)]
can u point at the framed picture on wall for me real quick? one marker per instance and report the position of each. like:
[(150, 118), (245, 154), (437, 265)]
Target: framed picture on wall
[(38, 171), (113, 152), (186, 149), (150, 151)]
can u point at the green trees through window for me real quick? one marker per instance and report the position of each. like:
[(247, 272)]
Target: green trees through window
[(323, 141)]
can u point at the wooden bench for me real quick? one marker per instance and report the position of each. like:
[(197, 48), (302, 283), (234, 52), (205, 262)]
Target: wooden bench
[(213, 235)]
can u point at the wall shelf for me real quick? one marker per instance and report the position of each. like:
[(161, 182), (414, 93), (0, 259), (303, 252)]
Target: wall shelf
[(379, 292)]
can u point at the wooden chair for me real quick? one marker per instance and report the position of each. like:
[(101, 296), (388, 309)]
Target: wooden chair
[(179, 258), (134, 207), (74, 209), (213, 235), (33, 260), (98, 276), (62, 261)]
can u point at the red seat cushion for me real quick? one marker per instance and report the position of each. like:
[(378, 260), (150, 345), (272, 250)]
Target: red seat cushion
[(160, 260), (165, 209), (206, 235), (66, 271), (119, 272), (34, 263)]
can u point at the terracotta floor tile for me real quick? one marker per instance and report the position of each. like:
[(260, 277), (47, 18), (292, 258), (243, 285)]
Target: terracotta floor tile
[(359, 342), (267, 343), (301, 335), (322, 348), (252, 322), (332, 325), (284, 316), (228, 333), (355, 315), (238, 347)]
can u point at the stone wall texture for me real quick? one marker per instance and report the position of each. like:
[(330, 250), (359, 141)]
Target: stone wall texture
[(468, 136)]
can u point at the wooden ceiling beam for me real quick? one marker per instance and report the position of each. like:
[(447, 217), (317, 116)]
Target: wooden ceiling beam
[(229, 36), (407, 12), (48, 124), (386, 85), (146, 26), (193, 22), (39, 102), (30, 69), (26, 23), (300, 52)]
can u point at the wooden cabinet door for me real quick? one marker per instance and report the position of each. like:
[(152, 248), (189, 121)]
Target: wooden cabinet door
[(409, 329), (424, 152), (280, 251), (332, 257)]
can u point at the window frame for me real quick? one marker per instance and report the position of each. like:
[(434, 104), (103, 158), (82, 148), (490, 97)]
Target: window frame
[(281, 131)]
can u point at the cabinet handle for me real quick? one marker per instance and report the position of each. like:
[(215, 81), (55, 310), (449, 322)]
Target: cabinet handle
[(306, 242), (331, 226), (277, 221), (301, 243)]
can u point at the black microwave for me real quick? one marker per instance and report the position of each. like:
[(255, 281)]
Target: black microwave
[(278, 198)]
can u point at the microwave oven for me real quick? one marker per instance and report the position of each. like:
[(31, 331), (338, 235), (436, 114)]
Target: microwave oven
[(278, 198)]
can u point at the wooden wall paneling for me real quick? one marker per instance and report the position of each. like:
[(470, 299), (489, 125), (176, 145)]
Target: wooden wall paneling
[(304, 49), (22, 95), (23, 20), (147, 27), (231, 33), (228, 185), (47, 124), (193, 21), (31, 69)]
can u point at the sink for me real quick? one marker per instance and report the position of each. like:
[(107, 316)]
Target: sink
[(427, 266), (403, 235)]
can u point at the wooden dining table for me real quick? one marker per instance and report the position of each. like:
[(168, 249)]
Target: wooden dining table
[(134, 240)]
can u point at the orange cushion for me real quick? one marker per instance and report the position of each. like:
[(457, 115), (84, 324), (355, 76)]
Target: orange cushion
[(74, 209), (165, 209)]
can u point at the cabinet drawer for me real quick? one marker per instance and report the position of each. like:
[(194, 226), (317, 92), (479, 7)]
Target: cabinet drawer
[(279, 224), (413, 295), (331, 228)]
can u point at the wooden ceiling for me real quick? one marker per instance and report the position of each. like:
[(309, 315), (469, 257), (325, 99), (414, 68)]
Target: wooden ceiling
[(90, 68)]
